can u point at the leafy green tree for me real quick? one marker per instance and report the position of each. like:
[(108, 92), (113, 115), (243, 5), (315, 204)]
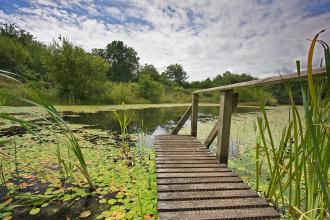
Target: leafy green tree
[(229, 78), (123, 59), (79, 76), (176, 73), (150, 89), (149, 69), (21, 53), (15, 32), (208, 83)]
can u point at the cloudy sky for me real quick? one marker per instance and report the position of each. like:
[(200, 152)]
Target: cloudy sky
[(260, 37)]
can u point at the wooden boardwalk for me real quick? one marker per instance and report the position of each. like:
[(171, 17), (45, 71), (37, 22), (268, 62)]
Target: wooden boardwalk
[(193, 185)]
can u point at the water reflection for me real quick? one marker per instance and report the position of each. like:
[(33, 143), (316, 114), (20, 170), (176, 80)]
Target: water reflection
[(156, 121)]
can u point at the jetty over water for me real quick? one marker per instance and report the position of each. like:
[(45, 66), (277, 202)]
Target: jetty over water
[(192, 182)]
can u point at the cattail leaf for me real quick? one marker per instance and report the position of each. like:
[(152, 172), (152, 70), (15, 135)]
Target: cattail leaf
[(310, 67)]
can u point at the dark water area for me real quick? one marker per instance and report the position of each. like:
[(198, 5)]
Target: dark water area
[(150, 121)]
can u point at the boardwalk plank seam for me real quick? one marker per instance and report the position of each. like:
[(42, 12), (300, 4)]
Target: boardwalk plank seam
[(193, 185)]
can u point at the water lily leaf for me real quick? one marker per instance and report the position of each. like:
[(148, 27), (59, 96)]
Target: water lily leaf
[(44, 204), (85, 214), (102, 201), (34, 211), (106, 214), (111, 201), (118, 214)]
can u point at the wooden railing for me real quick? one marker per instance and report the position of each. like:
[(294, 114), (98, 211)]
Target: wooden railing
[(228, 103)]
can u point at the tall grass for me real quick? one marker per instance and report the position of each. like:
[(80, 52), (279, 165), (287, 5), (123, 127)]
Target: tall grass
[(71, 142), (298, 165)]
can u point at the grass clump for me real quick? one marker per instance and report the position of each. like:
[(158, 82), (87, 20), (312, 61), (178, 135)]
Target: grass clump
[(297, 166)]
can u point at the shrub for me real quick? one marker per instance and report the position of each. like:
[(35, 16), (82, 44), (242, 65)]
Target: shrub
[(150, 89), (77, 75)]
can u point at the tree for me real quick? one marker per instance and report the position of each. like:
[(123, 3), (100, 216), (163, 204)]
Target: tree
[(15, 32), (79, 76), (149, 69), (21, 53), (123, 59), (175, 72), (229, 78)]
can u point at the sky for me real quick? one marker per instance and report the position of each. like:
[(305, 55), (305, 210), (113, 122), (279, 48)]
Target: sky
[(208, 37)]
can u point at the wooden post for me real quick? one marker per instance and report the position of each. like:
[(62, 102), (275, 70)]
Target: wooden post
[(194, 114), (224, 126), (214, 132)]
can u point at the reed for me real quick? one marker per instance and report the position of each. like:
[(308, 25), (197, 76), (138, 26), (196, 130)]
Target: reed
[(298, 165), (70, 141)]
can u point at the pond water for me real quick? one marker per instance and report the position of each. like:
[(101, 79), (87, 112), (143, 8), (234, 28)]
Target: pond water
[(151, 121)]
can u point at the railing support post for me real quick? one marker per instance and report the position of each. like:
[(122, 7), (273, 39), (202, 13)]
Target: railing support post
[(225, 112), (194, 114)]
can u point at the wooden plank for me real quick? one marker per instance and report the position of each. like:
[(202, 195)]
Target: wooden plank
[(194, 115), (225, 214), (210, 161), (196, 165), (212, 135), (182, 121), (192, 170), (192, 184), (317, 72), (212, 194), (201, 187), (194, 175), (199, 180), (185, 154), (224, 126), (187, 205), (181, 150), (184, 158)]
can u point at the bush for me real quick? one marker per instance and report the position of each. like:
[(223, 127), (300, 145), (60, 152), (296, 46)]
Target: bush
[(118, 93), (150, 89), (78, 76)]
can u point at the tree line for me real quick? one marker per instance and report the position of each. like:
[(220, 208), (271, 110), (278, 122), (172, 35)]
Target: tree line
[(68, 74)]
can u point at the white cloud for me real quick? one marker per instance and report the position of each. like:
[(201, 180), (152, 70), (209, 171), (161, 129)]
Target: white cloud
[(207, 37)]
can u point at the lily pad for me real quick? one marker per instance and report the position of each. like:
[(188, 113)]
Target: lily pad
[(85, 214), (34, 211)]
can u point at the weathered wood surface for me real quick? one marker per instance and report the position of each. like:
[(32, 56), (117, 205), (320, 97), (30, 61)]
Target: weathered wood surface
[(194, 115), (214, 132), (192, 184), (226, 102), (270, 80), (182, 121)]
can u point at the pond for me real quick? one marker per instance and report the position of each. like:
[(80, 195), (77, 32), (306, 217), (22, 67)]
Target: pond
[(33, 167), (151, 121)]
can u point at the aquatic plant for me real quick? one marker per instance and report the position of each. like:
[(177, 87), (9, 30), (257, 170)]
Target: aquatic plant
[(70, 141), (298, 165), (124, 120)]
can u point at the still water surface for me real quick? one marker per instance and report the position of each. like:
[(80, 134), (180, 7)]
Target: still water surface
[(151, 121)]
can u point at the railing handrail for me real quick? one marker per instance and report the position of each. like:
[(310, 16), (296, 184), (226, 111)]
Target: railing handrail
[(228, 102), (269, 80)]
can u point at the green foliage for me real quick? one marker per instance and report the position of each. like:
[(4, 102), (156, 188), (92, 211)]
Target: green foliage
[(69, 75), (118, 93), (79, 76), (150, 89), (20, 53), (149, 69), (230, 78), (176, 73), (123, 59), (298, 165)]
